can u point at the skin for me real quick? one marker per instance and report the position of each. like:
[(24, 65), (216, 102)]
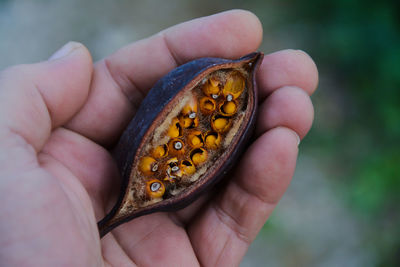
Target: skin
[(58, 118)]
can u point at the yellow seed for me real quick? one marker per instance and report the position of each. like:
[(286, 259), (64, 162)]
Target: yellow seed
[(214, 81), (155, 188), (160, 151), (187, 167), (199, 156), (176, 147), (195, 139), (213, 140), (234, 85), (148, 165), (190, 107), (211, 87), (207, 105), (228, 108), (175, 129), (187, 122), (210, 141), (220, 124)]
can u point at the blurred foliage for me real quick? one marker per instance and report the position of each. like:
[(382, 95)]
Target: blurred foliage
[(359, 43)]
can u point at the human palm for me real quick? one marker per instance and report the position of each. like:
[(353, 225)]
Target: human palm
[(60, 118)]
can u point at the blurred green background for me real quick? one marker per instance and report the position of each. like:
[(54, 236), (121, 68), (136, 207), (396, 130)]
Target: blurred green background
[(342, 208)]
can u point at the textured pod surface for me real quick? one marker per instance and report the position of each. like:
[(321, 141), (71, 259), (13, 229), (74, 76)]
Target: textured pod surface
[(188, 132)]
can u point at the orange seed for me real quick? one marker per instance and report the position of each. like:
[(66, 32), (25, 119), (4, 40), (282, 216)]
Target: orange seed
[(148, 165), (155, 188)]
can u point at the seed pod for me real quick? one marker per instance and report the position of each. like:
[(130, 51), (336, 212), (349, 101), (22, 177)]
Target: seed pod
[(185, 136)]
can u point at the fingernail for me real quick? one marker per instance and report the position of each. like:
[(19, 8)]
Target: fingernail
[(297, 137), (64, 51)]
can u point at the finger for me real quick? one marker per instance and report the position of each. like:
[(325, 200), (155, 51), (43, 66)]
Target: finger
[(224, 231), (287, 67), (38, 97), (113, 254), (155, 240), (185, 215), (288, 106), (122, 80)]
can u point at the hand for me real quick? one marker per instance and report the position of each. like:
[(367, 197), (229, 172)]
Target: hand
[(58, 117)]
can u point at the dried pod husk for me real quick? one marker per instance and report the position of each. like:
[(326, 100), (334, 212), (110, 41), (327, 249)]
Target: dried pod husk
[(161, 169)]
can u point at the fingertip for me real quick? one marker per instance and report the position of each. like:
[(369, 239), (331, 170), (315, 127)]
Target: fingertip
[(292, 135), (65, 50), (228, 34), (311, 66), (287, 67), (71, 70), (252, 30), (86, 57), (75, 54), (42, 96)]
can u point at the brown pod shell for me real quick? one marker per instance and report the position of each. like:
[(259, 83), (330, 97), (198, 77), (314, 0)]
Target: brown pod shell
[(149, 129)]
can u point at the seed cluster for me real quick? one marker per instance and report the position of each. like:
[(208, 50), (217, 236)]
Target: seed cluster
[(194, 134)]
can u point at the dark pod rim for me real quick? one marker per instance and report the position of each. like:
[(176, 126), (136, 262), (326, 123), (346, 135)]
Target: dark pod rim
[(188, 195)]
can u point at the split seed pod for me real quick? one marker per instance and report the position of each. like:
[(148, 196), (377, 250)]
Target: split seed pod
[(210, 102)]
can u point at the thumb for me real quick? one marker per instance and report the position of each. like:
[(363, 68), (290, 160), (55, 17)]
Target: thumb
[(36, 98)]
